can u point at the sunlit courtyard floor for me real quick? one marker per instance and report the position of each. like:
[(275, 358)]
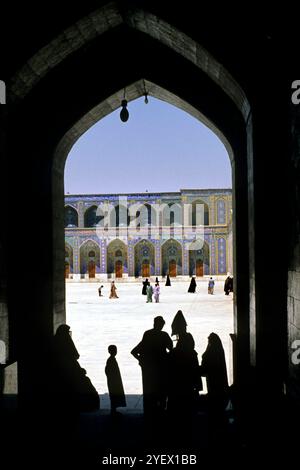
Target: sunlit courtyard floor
[(97, 322)]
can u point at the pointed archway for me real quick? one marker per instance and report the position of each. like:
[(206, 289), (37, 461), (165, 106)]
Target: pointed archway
[(144, 259), (171, 258)]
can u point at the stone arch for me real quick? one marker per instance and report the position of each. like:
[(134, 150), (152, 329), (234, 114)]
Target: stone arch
[(117, 258), (222, 107), (89, 258), (171, 258), (71, 217), (144, 259)]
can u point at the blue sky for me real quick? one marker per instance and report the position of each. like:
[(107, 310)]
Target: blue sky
[(160, 148)]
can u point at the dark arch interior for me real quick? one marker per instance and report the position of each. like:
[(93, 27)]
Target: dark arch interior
[(86, 85)]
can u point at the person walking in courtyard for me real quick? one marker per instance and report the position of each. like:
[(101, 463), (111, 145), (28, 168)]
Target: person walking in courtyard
[(156, 292), (168, 281), (145, 284), (152, 353), (149, 293), (193, 285), (113, 291), (100, 291), (114, 381), (228, 285), (211, 286), (156, 280)]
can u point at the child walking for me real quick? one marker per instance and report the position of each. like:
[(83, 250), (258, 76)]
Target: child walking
[(114, 381)]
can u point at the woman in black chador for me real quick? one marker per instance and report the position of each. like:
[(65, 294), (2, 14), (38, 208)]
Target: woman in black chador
[(168, 281), (70, 384), (184, 380), (213, 367), (145, 284), (193, 285)]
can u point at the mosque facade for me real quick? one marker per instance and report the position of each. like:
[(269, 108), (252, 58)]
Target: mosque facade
[(129, 236)]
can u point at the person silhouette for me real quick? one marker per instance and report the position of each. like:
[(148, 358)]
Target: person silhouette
[(100, 291), (211, 286), (70, 384), (114, 381), (113, 291), (228, 284), (156, 291), (152, 354), (184, 372), (193, 285), (168, 281), (213, 367), (145, 284), (149, 293)]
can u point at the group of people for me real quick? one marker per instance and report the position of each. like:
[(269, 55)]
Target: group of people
[(172, 376), (193, 285), (150, 291)]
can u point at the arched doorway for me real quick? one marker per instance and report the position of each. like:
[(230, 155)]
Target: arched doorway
[(117, 258), (146, 268), (89, 259), (199, 262), (199, 268), (144, 260), (171, 258), (172, 268), (181, 92), (119, 269), (92, 269)]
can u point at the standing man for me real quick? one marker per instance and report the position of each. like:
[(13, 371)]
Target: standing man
[(152, 354)]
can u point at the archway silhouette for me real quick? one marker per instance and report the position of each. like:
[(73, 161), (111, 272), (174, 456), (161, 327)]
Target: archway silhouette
[(221, 105)]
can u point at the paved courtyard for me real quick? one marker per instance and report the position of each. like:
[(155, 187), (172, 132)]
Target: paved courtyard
[(97, 322)]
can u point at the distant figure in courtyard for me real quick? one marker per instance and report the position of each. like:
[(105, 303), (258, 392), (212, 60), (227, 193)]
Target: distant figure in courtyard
[(114, 381), (152, 353), (193, 285), (156, 292), (211, 286), (184, 373), (156, 280), (145, 284), (113, 291), (228, 285), (213, 367), (149, 293), (100, 291), (168, 281)]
